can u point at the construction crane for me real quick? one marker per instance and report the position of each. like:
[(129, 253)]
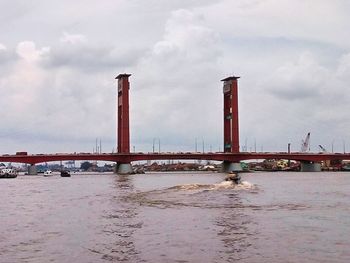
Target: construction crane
[(322, 148), (305, 144)]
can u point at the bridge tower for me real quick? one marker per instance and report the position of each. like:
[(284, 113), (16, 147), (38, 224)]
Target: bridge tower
[(123, 132), (231, 131), (231, 128)]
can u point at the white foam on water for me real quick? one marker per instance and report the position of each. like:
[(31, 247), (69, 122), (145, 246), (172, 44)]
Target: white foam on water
[(244, 185), (190, 186), (223, 185)]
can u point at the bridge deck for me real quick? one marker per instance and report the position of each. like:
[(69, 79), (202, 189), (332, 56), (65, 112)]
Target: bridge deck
[(127, 158)]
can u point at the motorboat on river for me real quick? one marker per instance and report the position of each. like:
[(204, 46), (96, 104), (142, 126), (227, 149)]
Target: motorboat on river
[(233, 177), (8, 173), (48, 173), (65, 174)]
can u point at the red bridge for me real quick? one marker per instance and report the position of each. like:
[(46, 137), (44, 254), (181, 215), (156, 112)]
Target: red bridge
[(230, 157), (131, 157)]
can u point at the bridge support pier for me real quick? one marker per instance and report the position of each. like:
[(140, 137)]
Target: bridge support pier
[(32, 170), (306, 166), (123, 168), (231, 167)]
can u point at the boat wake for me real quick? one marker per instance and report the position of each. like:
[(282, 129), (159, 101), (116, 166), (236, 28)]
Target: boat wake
[(244, 185), (220, 195)]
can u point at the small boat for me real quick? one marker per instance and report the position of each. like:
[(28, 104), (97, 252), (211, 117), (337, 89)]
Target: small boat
[(233, 177), (8, 173), (65, 174), (48, 173)]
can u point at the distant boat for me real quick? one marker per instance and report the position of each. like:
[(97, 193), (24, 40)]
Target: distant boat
[(346, 168), (8, 173), (65, 174), (48, 173)]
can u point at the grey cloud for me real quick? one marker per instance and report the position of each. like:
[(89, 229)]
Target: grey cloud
[(6, 56), (172, 5), (294, 93), (8, 60), (300, 80), (92, 59)]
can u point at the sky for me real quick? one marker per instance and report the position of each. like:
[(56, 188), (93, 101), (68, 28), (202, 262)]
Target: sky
[(59, 60)]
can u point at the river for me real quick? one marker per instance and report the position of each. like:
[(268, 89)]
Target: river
[(176, 217)]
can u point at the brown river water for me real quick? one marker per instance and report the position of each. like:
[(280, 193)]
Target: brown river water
[(176, 217)]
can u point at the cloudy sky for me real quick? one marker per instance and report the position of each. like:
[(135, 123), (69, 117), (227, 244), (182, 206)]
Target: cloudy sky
[(58, 61)]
